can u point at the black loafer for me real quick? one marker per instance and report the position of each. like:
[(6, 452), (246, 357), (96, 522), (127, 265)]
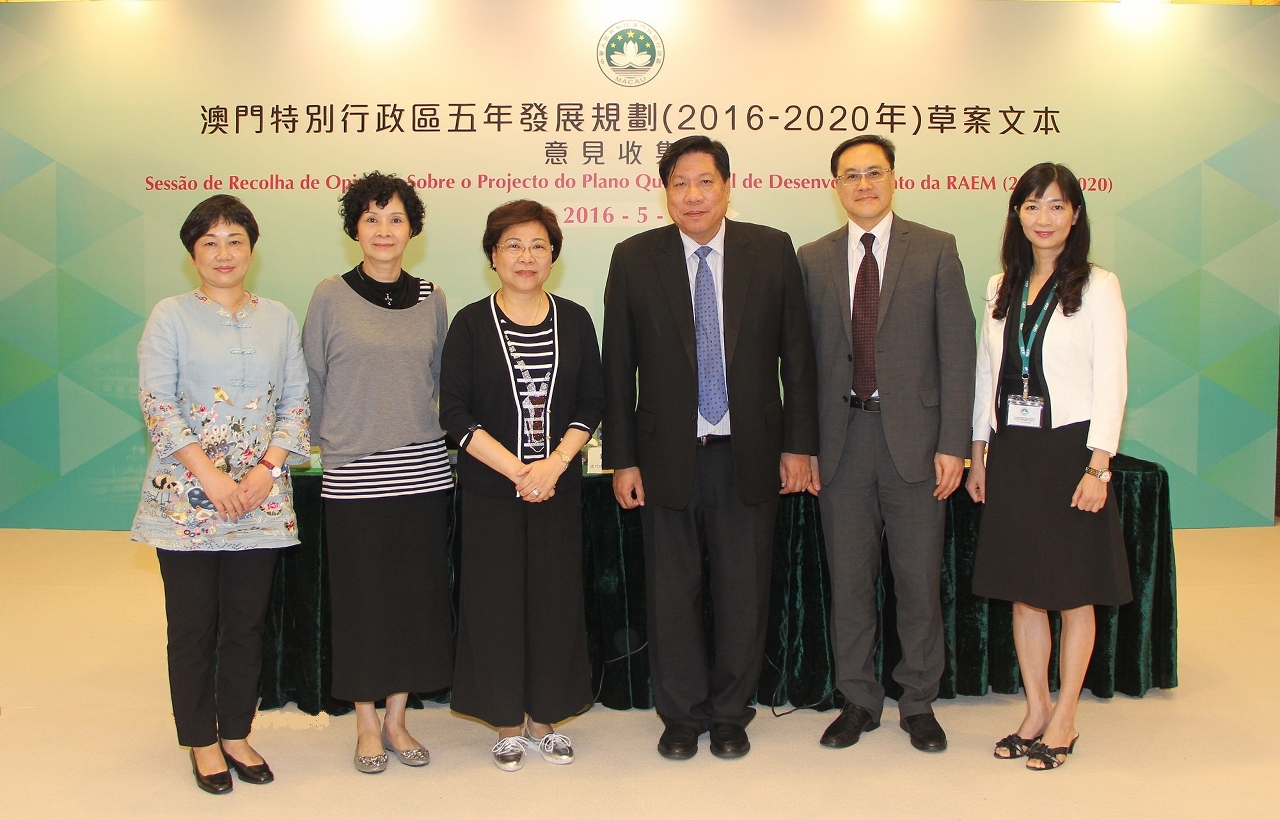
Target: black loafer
[(219, 783), (678, 742), (256, 775), (845, 730), (926, 734), (729, 740)]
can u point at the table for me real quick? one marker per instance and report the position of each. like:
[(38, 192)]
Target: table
[(1136, 647)]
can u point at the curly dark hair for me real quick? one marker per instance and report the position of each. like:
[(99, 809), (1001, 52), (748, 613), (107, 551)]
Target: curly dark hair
[(518, 212), (217, 210), (378, 188), (1016, 257)]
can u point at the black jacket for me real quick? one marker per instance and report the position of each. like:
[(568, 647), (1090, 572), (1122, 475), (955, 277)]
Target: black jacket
[(475, 387), (651, 420)]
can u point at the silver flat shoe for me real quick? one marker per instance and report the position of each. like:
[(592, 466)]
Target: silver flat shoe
[(372, 764), (409, 757), (508, 753), (554, 747)]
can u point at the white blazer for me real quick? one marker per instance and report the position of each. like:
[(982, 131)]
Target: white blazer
[(1085, 362)]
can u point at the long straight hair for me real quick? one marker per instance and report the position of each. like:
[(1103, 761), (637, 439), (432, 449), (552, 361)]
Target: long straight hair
[(1016, 256)]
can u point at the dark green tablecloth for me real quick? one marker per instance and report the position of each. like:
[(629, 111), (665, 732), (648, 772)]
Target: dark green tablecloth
[(1136, 649)]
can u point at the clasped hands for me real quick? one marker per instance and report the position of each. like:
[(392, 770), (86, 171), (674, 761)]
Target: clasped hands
[(536, 481), (233, 500)]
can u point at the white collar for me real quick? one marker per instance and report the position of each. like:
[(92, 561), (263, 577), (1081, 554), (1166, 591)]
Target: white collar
[(716, 244), (880, 231)]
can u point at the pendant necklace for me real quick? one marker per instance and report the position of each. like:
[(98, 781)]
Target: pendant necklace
[(386, 295)]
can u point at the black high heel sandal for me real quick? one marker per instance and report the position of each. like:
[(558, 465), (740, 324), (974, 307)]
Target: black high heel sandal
[(1049, 757), (1016, 745)]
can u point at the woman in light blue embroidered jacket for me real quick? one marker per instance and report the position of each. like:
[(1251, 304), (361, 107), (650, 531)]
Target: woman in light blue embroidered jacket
[(223, 388)]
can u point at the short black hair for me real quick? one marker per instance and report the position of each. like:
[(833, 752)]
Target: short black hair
[(379, 188), (696, 144), (518, 212), (217, 209), (863, 139)]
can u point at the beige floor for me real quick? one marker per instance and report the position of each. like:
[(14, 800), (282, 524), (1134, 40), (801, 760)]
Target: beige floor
[(85, 727)]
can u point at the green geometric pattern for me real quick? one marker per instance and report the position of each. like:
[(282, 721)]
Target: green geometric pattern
[(1203, 254), (72, 447)]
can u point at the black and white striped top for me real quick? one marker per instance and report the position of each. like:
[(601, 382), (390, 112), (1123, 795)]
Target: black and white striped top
[(531, 363), (409, 470)]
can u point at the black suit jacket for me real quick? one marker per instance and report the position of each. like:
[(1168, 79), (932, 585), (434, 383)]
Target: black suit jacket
[(651, 361)]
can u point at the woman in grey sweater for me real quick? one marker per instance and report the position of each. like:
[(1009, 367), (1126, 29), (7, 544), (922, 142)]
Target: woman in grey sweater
[(372, 341)]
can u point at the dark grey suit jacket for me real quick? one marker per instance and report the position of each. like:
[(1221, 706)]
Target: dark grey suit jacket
[(650, 361), (925, 347)]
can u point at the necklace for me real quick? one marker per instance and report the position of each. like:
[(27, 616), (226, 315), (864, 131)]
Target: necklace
[(386, 294), (536, 392), (538, 310)]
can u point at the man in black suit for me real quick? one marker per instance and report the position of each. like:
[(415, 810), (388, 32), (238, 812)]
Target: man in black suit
[(707, 312)]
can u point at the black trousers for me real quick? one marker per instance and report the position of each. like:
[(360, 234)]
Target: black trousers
[(689, 685), (522, 626), (216, 606)]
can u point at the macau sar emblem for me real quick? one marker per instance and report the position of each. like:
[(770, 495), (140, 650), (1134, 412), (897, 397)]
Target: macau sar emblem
[(630, 53)]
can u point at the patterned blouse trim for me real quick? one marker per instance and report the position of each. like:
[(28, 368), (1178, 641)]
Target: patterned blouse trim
[(249, 307)]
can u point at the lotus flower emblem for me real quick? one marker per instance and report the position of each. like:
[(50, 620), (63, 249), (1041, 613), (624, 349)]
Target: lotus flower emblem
[(630, 55)]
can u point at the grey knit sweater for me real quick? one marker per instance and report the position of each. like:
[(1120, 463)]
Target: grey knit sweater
[(374, 373)]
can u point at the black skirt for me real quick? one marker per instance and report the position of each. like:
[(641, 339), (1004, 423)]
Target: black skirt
[(1033, 546), (392, 612)]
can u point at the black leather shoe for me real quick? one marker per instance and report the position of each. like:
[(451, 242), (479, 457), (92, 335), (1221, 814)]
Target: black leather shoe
[(256, 775), (926, 734), (729, 740), (845, 730), (219, 783), (678, 742)]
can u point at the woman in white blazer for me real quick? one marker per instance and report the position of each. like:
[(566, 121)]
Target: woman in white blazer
[(1051, 386)]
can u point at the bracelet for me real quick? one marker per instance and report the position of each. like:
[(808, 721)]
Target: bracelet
[(564, 457)]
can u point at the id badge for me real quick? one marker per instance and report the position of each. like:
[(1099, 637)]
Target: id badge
[(1025, 411)]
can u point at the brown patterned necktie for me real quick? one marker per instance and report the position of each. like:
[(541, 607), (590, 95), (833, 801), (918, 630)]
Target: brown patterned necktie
[(866, 306)]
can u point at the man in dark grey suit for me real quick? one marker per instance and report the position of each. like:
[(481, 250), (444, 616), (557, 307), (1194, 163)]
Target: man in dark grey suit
[(894, 338), (701, 320)]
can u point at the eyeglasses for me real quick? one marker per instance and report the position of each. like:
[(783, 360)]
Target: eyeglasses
[(516, 248), (873, 176)]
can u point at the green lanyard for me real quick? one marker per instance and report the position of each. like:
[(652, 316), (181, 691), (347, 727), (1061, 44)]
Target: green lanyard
[(1024, 347)]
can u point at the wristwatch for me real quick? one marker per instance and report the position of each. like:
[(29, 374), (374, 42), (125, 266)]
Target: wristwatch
[(564, 457), (1102, 475), (275, 471)]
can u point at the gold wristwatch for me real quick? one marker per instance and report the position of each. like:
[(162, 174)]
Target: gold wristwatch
[(1102, 475), (564, 457)]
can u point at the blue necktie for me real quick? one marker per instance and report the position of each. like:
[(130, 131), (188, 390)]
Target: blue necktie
[(713, 395)]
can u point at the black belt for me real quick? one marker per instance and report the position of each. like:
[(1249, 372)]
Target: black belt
[(870, 405), (703, 441)]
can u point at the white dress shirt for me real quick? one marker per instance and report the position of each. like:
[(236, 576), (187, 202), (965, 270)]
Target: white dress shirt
[(715, 261), (879, 249)]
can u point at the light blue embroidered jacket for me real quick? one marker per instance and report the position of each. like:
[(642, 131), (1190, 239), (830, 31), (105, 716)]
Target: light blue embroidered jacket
[(236, 385)]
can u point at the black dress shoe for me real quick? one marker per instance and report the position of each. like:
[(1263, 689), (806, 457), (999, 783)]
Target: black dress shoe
[(678, 742), (256, 775), (729, 740), (219, 783), (845, 730), (926, 734)]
